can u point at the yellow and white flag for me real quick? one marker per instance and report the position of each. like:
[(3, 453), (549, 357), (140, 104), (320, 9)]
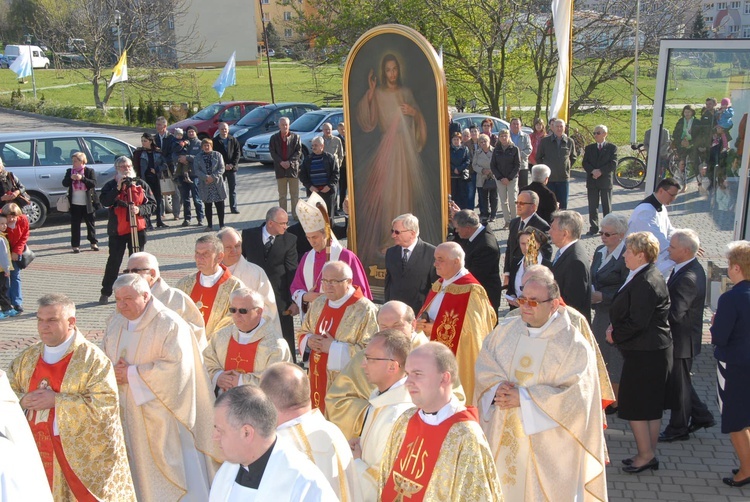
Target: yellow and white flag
[(120, 73), (562, 15)]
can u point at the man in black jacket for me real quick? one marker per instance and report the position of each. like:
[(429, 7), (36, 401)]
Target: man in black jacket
[(409, 264), (527, 217), (687, 295), (320, 173), (167, 143), (599, 162), (286, 150), (505, 164), (571, 263), (273, 249), (482, 253), (558, 151), (547, 200), (229, 148)]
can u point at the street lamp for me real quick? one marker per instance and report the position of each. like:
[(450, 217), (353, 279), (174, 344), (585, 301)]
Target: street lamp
[(118, 20), (31, 61)]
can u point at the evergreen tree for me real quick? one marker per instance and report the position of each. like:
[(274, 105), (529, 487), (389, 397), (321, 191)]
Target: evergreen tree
[(700, 30), (274, 42)]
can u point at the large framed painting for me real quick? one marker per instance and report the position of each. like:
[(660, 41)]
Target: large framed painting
[(396, 112)]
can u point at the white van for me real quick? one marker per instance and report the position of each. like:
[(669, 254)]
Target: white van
[(38, 59)]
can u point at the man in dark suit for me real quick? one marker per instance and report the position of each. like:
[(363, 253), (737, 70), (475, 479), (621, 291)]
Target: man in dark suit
[(571, 263), (482, 253), (286, 151), (526, 205), (558, 151), (409, 269), (547, 200), (229, 148), (687, 294), (275, 250), (599, 162)]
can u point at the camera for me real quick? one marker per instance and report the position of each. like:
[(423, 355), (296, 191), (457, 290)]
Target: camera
[(127, 181)]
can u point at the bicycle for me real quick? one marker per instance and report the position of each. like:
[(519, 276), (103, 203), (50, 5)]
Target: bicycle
[(683, 170), (631, 171)]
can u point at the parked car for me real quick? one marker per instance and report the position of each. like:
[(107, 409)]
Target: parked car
[(38, 58), (467, 119), (207, 120), (40, 159), (307, 126), (265, 119), (4, 63)]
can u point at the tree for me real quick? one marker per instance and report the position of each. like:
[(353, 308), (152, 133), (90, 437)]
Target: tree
[(699, 26), (274, 41)]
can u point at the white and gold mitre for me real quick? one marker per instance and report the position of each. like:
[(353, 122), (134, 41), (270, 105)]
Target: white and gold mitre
[(310, 216)]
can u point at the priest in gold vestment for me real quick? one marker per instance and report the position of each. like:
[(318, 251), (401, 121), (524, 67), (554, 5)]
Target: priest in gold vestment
[(238, 354), (164, 396), (457, 312), (211, 286), (437, 451), (539, 402), (67, 387), (338, 325)]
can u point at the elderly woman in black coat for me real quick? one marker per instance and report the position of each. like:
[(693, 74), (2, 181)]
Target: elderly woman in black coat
[(639, 328)]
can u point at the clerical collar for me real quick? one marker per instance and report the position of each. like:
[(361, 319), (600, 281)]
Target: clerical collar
[(443, 413), (246, 336), (341, 301), (208, 281), (476, 232), (651, 199), (537, 332), (51, 355), (396, 384), (294, 421), (251, 475), (459, 274)]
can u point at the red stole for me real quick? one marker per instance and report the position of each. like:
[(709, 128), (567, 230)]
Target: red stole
[(138, 197), (328, 322), (240, 358), (41, 423), (204, 297), (416, 459), (450, 318)]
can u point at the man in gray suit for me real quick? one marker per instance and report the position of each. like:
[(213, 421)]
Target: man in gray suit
[(286, 151), (558, 151), (599, 162)]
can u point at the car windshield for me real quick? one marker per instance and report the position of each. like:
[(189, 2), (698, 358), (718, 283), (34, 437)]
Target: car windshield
[(307, 122), (208, 112), (254, 118)]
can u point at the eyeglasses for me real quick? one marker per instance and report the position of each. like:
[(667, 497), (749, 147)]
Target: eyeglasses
[(331, 282), (399, 232), (522, 203), (370, 359), (531, 303), (608, 234), (233, 310), (135, 270), (597, 133), (282, 223)]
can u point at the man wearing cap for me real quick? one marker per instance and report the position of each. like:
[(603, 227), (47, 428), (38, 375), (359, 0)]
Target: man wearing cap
[(306, 284)]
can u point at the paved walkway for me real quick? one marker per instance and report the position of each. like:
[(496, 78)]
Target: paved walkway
[(690, 470)]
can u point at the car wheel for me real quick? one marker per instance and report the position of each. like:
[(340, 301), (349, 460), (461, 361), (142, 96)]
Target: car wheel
[(36, 211), (168, 204), (46, 66)]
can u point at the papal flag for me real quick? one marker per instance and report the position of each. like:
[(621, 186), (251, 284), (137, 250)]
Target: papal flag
[(22, 65), (120, 73), (562, 15), (227, 77)]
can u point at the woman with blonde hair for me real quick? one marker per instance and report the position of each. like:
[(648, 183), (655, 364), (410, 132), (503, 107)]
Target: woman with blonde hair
[(81, 183)]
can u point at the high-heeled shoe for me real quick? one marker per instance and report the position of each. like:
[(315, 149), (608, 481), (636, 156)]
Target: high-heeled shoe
[(737, 484), (627, 461), (653, 465)]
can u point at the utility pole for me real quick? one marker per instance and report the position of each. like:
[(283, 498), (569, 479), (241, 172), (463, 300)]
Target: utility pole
[(265, 43)]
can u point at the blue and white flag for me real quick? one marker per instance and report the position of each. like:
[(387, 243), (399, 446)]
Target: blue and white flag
[(227, 77), (22, 65)]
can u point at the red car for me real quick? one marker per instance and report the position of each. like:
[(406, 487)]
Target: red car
[(207, 120)]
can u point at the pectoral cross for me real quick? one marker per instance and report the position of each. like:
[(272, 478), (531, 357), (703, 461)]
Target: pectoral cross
[(200, 305), (238, 359)]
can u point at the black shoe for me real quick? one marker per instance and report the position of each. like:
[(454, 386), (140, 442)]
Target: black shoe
[(200, 223), (234, 211), (627, 461), (162, 225), (668, 438), (592, 233), (103, 300), (611, 410), (186, 223), (18, 308), (704, 425), (736, 484), (735, 471), (653, 465)]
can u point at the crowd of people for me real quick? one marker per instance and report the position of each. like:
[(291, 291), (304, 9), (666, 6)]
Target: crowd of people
[(430, 396)]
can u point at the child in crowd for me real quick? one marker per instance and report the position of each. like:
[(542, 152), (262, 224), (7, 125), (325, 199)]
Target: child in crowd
[(6, 265), (726, 113)]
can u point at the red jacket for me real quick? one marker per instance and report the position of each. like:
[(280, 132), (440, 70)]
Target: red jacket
[(18, 236)]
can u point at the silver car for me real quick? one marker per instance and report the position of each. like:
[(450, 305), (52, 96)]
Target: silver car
[(40, 159)]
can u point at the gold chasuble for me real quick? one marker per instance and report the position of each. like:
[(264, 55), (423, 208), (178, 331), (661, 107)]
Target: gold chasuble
[(212, 302), (450, 461), (352, 323), (464, 319), (551, 447), (87, 460)]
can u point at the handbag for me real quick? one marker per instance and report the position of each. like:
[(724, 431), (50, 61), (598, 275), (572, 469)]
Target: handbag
[(490, 183), (63, 204), (167, 186), (26, 257), (23, 199)]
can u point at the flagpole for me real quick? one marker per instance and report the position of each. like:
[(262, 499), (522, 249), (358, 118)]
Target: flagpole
[(265, 43), (33, 78), (118, 19)]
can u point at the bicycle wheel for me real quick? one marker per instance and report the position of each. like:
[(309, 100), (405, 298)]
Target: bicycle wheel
[(630, 172)]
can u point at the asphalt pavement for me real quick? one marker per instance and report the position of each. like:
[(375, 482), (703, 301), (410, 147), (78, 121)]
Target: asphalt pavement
[(690, 470)]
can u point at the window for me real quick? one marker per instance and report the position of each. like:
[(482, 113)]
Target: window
[(266, 17), (708, 7), (232, 113), (746, 31), (16, 154), (287, 16), (288, 32), (170, 22), (747, 7), (105, 150), (735, 5), (709, 19), (721, 6), (57, 152), (265, 2)]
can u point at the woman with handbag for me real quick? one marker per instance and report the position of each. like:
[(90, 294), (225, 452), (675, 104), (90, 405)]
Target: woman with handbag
[(486, 181), (18, 235), (81, 183), (11, 189), (208, 168), (149, 164)]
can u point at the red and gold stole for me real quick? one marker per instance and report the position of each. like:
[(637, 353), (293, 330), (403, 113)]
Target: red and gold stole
[(416, 459), (50, 376), (240, 358), (450, 318), (204, 297), (328, 322)]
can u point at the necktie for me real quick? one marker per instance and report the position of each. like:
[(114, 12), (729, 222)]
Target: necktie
[(405, 259), (521, 226), (557, 256), (600, 147), (267, 245)]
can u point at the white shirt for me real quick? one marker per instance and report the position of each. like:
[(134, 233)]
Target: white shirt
[(477, 232), (434, 307), (443, 413), (632, 274), (208, 281)]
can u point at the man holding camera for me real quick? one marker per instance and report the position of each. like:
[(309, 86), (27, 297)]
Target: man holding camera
[(121, 195)]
